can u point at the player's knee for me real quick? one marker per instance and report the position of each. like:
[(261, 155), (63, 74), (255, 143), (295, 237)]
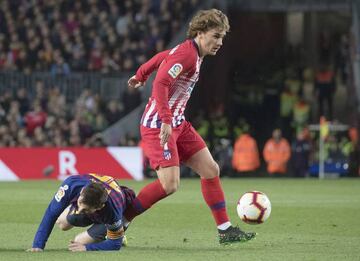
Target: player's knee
[(79, 238), (171, 187), (215, 169), (84, 238), (64, 226)]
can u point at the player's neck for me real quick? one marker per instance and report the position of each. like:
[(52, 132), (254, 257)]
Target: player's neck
[(201, 52)]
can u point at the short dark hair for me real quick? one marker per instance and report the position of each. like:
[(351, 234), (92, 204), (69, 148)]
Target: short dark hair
[(94, 195)]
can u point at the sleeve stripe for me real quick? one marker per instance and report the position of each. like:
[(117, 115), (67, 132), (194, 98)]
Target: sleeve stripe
[(115, 234)]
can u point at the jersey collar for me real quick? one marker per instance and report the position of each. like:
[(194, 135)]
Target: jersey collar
[(196, 46)]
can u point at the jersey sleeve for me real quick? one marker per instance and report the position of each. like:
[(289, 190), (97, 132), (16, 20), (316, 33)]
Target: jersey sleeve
[(145, 70), (175, 65), (57, 205)]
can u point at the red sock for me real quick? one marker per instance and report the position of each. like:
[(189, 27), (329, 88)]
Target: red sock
[(214, 197), (148, 196)]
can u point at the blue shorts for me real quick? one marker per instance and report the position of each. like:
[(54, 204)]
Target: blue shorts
[(96, 231)]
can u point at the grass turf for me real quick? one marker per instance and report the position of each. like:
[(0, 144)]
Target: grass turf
[(310, 220)]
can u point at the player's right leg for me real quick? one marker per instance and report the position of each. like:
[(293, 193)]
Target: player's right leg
[(167, 183), (169, 178), (165, 160)]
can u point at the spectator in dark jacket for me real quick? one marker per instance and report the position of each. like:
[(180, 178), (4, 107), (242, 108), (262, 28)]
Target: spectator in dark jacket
[(300, 155)]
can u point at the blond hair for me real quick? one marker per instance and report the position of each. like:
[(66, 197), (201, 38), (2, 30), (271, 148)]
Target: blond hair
[(205, 20)]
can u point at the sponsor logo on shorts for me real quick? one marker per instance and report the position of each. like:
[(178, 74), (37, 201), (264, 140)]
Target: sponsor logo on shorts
[(166, 153), (61, 193), (175, 70)]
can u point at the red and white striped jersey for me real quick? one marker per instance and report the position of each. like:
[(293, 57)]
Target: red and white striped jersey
[(178, 72)]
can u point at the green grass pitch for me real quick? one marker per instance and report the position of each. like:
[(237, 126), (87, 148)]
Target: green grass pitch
[(310, 220)]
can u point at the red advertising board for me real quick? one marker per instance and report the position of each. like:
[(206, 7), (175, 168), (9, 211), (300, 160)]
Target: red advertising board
[(58, 163)]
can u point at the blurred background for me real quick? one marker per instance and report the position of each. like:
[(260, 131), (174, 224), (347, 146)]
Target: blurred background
[(284, 86)]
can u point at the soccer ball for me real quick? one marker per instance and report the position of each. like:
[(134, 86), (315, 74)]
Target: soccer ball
[(254, 207)]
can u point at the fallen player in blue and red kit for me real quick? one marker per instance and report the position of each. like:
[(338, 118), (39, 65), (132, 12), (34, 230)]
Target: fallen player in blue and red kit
[(84, 200)]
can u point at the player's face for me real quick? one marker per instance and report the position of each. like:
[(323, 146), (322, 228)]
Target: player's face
[(211, 41), (83, 208)]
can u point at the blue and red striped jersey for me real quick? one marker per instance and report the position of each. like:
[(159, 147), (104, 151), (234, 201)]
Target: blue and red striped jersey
[(111, 214)]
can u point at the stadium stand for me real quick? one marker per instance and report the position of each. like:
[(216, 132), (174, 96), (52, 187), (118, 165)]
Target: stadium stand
[(71, 36)]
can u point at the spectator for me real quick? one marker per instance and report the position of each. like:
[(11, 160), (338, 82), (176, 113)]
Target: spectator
[(41, 94), (301, 114), (35, 118), (277, 153), (56, 102), (352, 150), (287, 103), (325, 88), (60, 67), (300, 154), (246, 155), (113, 112), (23, 100), (5, 100)]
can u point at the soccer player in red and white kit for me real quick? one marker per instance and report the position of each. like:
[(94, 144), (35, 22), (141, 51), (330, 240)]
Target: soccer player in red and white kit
[(168, 139)]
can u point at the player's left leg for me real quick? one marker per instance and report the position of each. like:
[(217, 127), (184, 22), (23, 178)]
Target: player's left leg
[(96, 233), (203, 163), (194, 153)]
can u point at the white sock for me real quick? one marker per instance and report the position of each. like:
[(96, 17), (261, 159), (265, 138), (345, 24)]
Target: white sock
[(224, 226)]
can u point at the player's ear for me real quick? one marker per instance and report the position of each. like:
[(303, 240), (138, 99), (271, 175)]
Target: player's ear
[(199, 34)]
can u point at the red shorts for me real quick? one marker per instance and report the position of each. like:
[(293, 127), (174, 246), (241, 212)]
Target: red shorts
[(183, 143)]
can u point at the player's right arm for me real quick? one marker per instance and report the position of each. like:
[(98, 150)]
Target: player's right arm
[(144, 71), (60, 201)]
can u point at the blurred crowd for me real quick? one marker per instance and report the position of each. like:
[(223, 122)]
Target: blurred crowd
[(239, 152), (64, 36), (46, 119)]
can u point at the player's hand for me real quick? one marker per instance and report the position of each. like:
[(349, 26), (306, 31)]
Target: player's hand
[(165, 133), (76, 247), (34, 249), (134, 83)]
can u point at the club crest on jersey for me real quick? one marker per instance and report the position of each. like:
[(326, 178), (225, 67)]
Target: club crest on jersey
[(61, 193), (166, 153), (175, 70)]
